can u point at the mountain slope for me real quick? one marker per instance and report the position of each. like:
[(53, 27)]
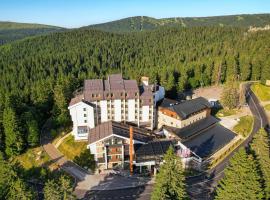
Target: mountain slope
[(139, 23), (10, 31)]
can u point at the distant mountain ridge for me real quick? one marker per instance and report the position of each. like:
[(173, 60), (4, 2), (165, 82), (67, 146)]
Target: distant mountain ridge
[(10, 31), (4, 25), (140, 23)]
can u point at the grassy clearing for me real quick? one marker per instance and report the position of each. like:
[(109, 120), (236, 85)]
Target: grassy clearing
[(34, 157), (244, 126), (58, 134), (267, 107), (226, 112), (261, 91), (70, 148)]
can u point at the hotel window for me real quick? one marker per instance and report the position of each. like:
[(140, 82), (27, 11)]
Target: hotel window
[(85, 115), (85, 121), (84, 109)]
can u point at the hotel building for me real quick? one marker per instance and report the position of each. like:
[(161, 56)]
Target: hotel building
[(114, 99)]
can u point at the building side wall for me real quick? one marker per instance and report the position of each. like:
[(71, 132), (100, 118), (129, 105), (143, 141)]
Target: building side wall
[(160, 94), (145, 113), (194, 118), (168, 118), (164, 119), (104, 110), (131, 110), (81, 115), (117, 110)]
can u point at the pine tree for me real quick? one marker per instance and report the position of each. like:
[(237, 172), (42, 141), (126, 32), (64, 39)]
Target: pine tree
[(13, 187), (13, 136), (170, 181), (60, 189), (66, 188), (33, 133), (62, 94), (241, 179), (52, 190), (230, 94), (31, 126), (261, 148), (18, 190), (86, 160)]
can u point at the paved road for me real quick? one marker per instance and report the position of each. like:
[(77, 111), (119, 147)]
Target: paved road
[(57, 157), (84, 180), (200, 187)]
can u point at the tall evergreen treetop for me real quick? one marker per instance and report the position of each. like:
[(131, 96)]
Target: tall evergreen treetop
[(170, 181), (261, 148), (241, 179)]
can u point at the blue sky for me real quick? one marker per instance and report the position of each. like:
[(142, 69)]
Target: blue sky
[(76, 13)]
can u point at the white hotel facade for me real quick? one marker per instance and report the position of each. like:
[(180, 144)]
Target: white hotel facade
[(114, 99)]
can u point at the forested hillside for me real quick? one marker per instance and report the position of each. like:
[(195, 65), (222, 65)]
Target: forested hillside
[(10, 31), (38, 75), (135, 24)]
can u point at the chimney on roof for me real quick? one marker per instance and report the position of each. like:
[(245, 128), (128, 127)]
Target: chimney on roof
[(131, 149), (145, 80)]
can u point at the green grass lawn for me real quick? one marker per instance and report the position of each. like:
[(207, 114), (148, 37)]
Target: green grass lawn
[(34, 157), (261, 91), (244, 126), (70, 148), (267, 107), (226, 112)]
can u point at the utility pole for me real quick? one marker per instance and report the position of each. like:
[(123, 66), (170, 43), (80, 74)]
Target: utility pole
[(131, 149)]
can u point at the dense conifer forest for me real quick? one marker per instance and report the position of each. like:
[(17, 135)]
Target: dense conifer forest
[(141, 23), (38, 75), (11, 31)]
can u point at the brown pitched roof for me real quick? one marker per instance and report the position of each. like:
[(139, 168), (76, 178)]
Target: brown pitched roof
[(115, 87), (106, 129), (186, 108), (76, 99)]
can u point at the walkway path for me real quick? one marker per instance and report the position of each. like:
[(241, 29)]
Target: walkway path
[(85, 181)]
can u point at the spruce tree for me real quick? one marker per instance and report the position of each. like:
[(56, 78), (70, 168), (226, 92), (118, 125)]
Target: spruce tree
[(13, 136), (241, 180), (260, 146), (170, 181), (52, 190), (31, 126), (13, 187), (230, 94), (19, 190), (60, 189), (86, 160)]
